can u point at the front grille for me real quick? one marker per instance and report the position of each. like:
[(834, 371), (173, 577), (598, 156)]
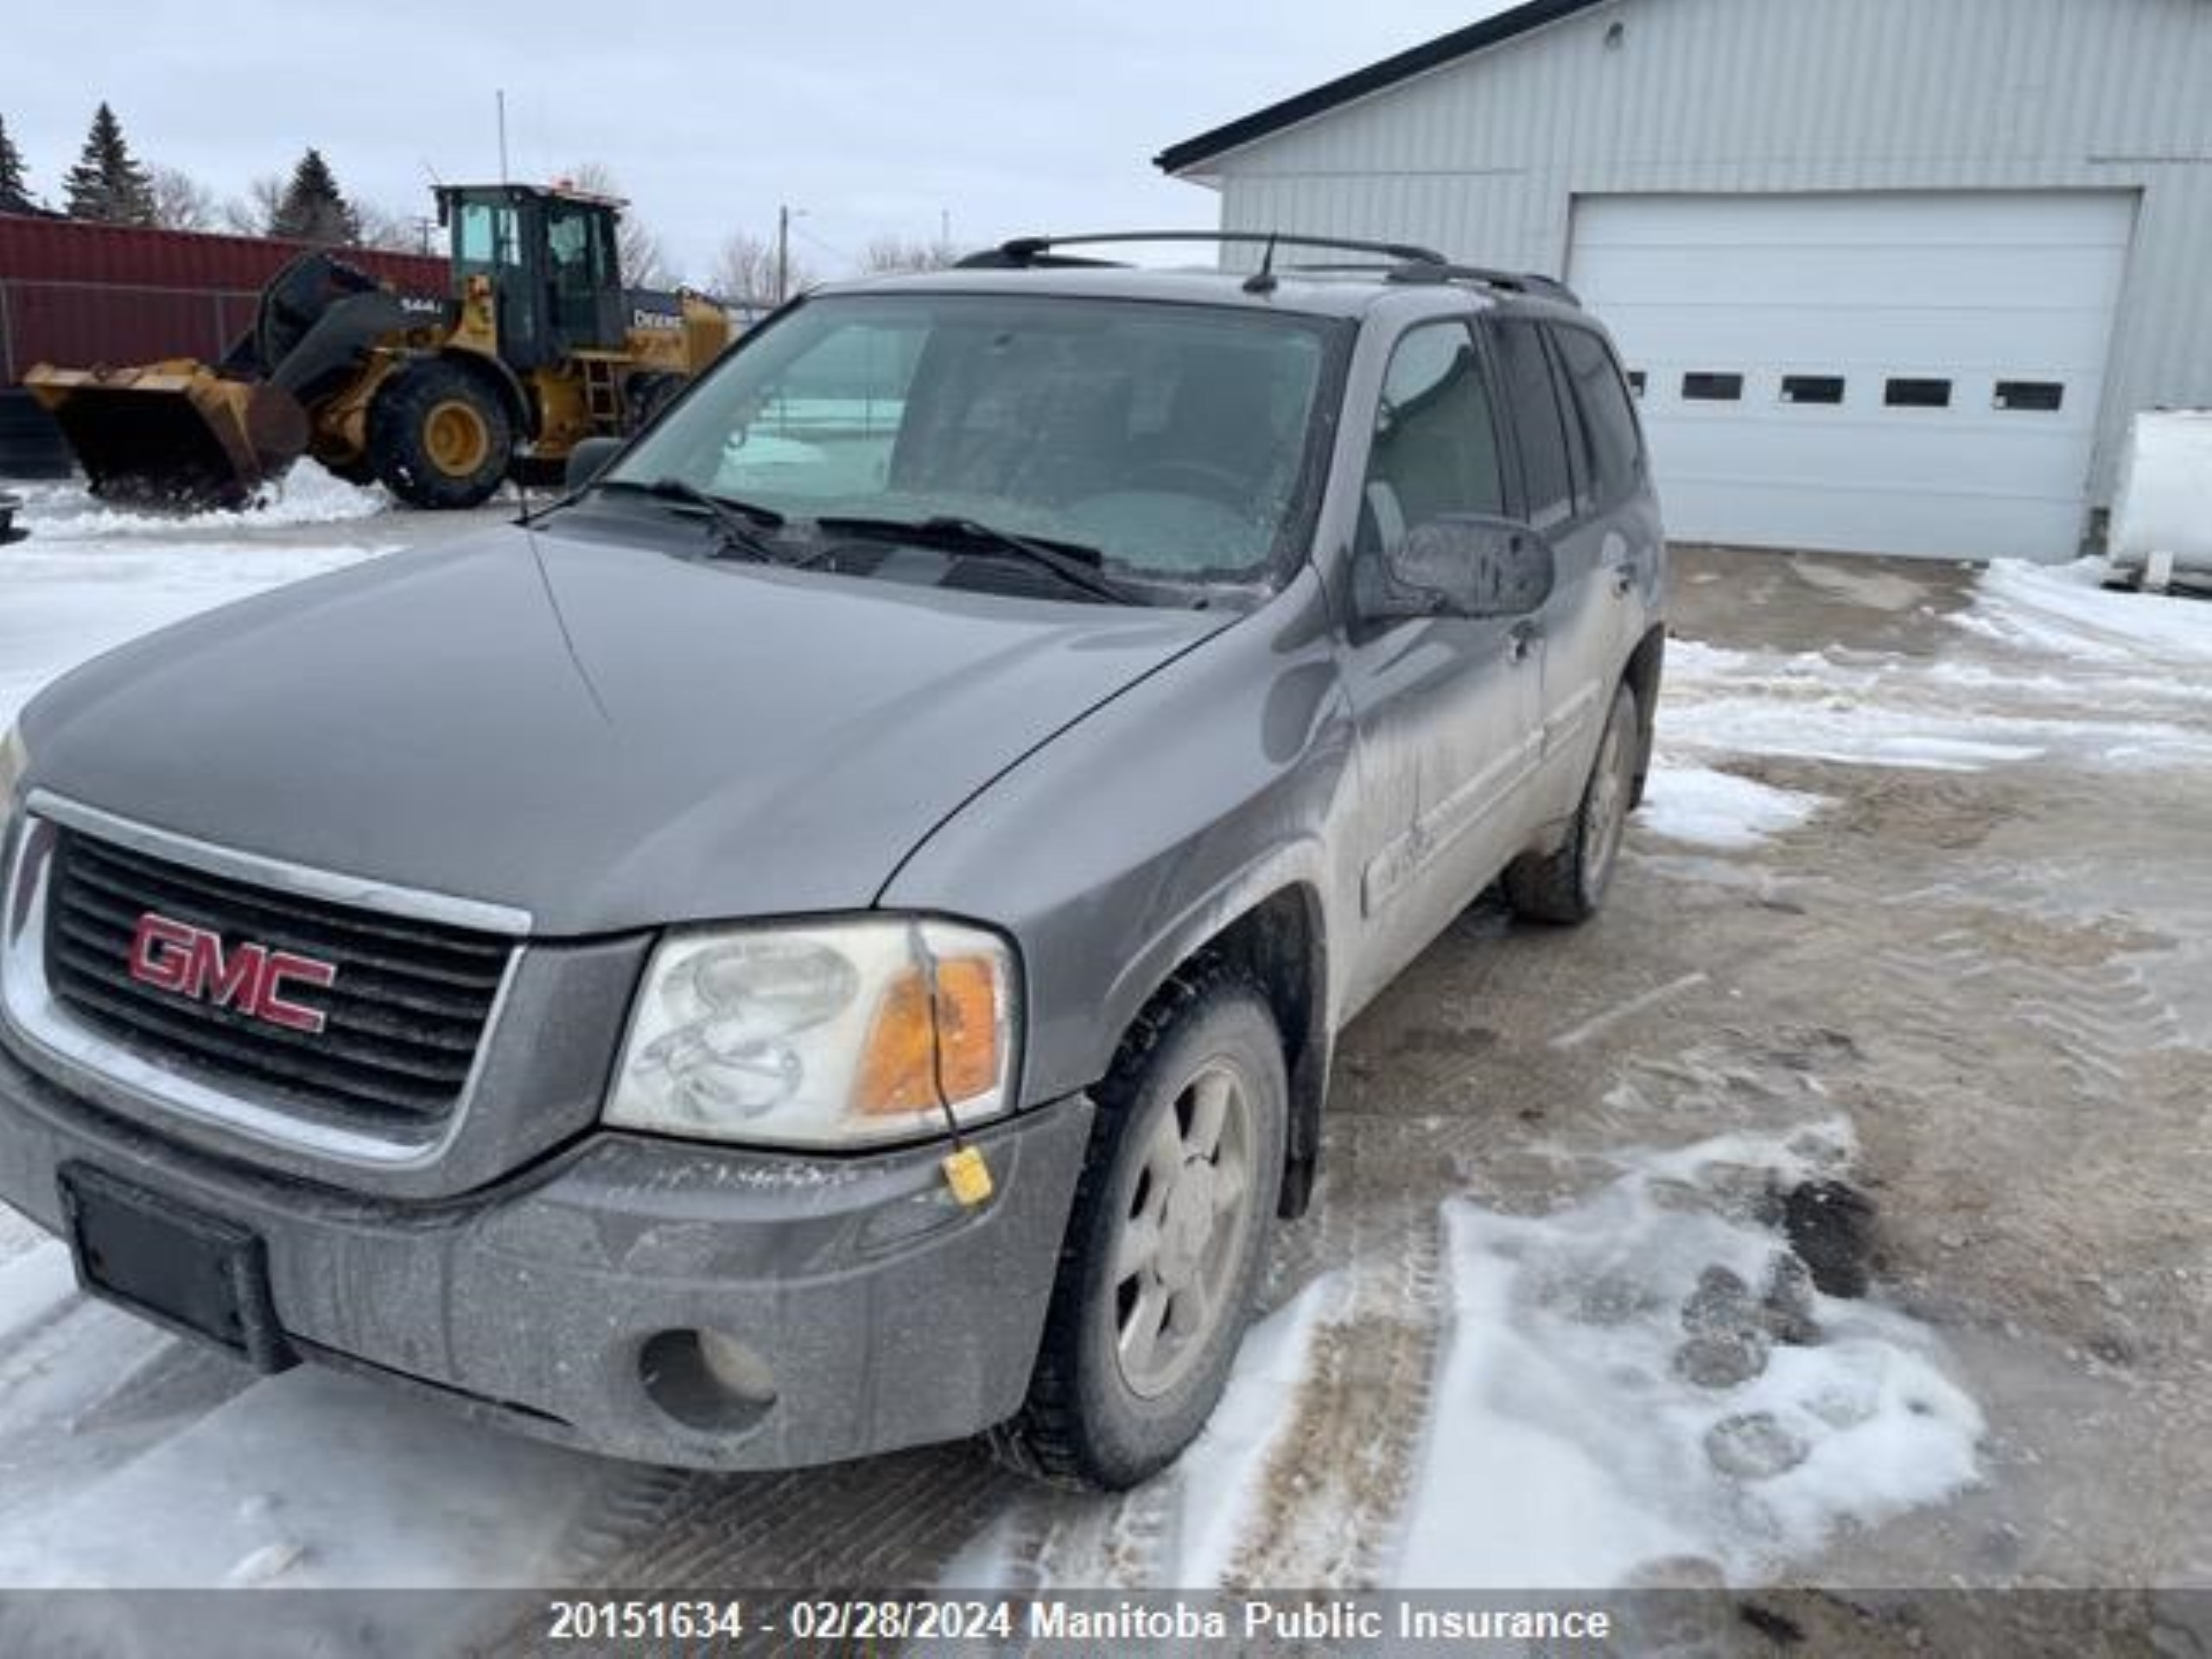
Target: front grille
[(402, 1018)]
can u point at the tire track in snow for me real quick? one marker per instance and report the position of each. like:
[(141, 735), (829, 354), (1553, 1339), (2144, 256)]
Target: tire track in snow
[(1330, 1504), (893, 1520)]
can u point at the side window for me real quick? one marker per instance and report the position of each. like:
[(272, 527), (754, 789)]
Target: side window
[(1532, 404), (1435, 449), (1602, 407)]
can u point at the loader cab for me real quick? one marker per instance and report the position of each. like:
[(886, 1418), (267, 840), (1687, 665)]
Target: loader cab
[(550, 256)]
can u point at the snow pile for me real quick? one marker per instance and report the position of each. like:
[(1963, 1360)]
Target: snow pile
[(1646, 1386), (1703, 808), (307, 494), (2065, 609)]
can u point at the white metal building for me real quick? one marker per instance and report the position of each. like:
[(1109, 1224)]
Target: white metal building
[(1892, 275)]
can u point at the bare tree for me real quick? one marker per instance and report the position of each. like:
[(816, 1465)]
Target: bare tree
[(396, 233), (892, 252), (180, 201), (745, 270), (252, 213), (644, 261)]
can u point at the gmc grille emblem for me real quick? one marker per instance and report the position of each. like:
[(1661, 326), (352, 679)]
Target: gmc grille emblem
[(173, 955)]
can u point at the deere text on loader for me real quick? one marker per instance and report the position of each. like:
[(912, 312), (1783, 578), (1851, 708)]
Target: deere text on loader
[(536, 348)]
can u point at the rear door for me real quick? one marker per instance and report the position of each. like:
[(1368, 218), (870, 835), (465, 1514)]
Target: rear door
[(1580, 468), (1447, 706)]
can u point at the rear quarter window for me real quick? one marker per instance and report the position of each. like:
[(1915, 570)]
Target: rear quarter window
[(1539, 424), (1602, 407)]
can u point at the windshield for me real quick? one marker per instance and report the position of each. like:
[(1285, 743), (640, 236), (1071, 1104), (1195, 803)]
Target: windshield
[(1170, 439)]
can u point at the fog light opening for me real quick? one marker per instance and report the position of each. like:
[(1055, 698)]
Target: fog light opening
[(708, 1380)]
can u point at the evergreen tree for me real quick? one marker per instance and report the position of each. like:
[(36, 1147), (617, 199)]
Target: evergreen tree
[(313, 208), (107, 184), (15, 194)]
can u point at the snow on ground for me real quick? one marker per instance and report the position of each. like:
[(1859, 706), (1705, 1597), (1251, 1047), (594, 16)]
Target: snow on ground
[(90, 578), (2116, 679), (284, 1485), (2066, 610), (1653, 1378), (1703, 808)]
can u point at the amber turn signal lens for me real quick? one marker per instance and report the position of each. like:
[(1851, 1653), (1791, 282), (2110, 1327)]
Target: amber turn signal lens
[(920, 1044)]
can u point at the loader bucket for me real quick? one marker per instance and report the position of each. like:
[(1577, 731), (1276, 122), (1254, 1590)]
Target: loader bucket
[(174, 433)]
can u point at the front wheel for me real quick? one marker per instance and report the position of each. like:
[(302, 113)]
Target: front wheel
[(1570, 884), (1169, 1234), (439, 436)]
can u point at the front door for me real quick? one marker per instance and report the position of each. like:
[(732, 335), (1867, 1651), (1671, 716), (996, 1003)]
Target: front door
[(1448, 707)]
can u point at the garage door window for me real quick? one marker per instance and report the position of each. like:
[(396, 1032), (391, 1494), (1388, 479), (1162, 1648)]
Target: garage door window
[(2040, 396), (1812, 388), (1532, 404), (1917, 394), (1709, 388), (1608, 422)]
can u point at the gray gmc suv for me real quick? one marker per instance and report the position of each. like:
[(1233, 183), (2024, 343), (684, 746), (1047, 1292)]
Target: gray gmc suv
[(832, 937)]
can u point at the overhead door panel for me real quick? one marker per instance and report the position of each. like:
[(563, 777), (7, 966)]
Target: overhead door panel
[(1888, 373)]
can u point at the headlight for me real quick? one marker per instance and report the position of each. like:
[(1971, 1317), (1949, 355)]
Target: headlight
[(844, 1034)]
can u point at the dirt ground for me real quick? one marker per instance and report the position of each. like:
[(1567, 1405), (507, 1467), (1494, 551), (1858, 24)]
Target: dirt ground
[(1999, 974)]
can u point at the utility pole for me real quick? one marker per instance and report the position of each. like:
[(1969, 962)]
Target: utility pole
[(500, 94), (783, 253)]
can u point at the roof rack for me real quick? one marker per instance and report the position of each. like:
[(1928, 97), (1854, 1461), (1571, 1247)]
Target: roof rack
[(1512, 282), (1024, 252), (1397, 261)]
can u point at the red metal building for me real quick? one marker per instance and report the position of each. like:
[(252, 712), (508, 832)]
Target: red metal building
[(78, 294)]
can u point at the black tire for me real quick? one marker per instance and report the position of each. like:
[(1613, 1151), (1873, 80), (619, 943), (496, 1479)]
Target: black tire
[(1569, 885), (439, 436), (1086, 1423)]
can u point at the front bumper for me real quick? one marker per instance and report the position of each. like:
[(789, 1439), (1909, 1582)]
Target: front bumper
[(873, 1310)]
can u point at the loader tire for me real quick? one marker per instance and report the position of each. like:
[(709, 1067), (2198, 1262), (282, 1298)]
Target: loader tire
[(439, 437)]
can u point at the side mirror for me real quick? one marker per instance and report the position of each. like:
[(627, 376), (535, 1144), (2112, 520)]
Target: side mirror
[(1463, 565), (588, 460)]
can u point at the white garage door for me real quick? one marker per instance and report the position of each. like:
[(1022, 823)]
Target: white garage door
[(1878, 373)]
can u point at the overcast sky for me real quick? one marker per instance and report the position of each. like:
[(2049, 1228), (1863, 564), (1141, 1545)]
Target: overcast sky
[(873, 117)]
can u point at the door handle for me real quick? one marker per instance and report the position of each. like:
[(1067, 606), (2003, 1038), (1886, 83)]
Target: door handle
[(1524, 637)]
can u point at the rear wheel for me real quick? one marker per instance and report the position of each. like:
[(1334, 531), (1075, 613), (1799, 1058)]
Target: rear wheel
[(1164, 1252), (440, 437), (1570, 884)]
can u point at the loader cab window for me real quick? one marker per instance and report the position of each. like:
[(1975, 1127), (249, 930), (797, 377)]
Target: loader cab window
[(485, 241)]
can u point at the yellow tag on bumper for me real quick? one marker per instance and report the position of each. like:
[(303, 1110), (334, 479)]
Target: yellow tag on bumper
[(968, 1176)]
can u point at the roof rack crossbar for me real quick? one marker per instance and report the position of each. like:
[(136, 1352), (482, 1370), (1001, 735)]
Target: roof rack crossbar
[(1038, 249)]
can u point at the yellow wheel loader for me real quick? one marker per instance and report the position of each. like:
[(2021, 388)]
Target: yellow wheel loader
[(537, 346)]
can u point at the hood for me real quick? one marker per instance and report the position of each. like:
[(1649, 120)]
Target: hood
[(599, 734)]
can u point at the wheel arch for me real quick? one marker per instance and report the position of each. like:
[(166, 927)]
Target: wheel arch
[(1279, 944)]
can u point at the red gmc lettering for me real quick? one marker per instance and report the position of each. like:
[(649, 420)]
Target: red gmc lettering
[(173, 955)]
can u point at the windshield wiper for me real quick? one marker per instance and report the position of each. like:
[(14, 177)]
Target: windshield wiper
[(739, 522), (1073, 564)]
